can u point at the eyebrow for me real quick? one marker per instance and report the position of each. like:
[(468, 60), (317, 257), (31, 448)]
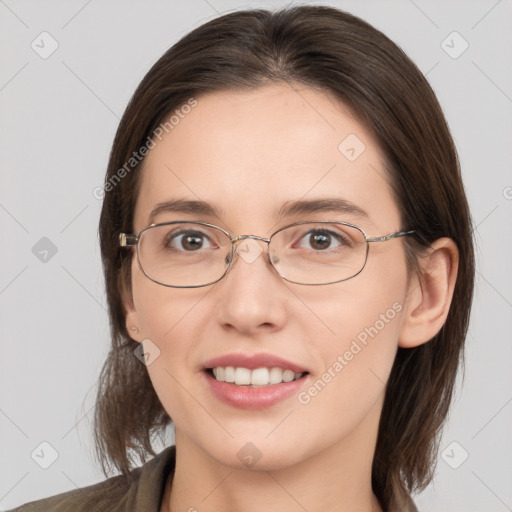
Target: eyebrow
[(185, 206), (327, 204), (287, 209)]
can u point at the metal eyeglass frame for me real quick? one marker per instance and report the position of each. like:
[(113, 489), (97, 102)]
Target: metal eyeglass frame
[(132, 240)]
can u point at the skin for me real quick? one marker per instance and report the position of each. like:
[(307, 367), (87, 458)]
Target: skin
[(248, 152)]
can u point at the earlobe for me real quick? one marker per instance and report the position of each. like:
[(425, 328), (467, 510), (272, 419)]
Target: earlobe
[(132, 321), (430, 294)]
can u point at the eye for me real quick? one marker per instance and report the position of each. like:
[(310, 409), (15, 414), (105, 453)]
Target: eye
[(188, 241), (321, 239)]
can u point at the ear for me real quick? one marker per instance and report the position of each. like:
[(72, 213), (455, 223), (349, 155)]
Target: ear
[(430, 294), (131, 318)]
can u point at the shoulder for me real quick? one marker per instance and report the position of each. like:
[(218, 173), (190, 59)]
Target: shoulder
[(142, 491), (95, 497)]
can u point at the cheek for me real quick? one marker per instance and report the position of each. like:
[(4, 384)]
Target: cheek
[(159, 308), (350, 385), (364, 317), (374, 296), (169, 322), (364, 331), (164, 320)]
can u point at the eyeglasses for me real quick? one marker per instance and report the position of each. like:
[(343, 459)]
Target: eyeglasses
[(183, 254)]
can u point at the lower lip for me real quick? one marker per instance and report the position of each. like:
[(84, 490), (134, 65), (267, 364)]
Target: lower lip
[(245, 397)]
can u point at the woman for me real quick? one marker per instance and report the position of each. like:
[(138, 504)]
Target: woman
[(289, 270)]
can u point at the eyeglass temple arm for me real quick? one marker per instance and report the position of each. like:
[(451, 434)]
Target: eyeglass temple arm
[(128, 240), (385, 238)]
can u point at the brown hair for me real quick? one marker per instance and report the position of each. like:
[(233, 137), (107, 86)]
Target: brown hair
[(336, 52)]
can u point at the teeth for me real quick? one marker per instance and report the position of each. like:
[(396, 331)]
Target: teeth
[(229, 374), (256, 377), (288, 375), (260, 377), (242, 376), (276, 376)]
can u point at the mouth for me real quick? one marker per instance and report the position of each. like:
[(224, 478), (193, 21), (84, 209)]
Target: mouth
[(254, 378), (254, 381)]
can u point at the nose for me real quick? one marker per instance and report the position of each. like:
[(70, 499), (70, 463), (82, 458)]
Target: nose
[(251, 296)]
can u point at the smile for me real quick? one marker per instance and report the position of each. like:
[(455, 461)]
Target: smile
[(257, 377)]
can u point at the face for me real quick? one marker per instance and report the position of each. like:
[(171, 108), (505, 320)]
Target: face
[(247, 154)]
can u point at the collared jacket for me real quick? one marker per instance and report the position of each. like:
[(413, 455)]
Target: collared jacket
[(143, 492)]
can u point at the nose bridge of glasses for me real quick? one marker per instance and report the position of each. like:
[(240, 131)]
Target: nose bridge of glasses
[(237, 239), (248, 247)]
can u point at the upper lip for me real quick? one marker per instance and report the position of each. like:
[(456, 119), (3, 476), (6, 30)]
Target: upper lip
[(253, 361)]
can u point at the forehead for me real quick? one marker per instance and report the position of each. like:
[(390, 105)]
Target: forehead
[(249, 152)]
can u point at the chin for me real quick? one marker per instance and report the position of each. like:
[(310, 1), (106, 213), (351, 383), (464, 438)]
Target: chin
[(257, 455)]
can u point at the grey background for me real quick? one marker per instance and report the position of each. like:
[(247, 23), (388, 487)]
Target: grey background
[(59, 116)]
